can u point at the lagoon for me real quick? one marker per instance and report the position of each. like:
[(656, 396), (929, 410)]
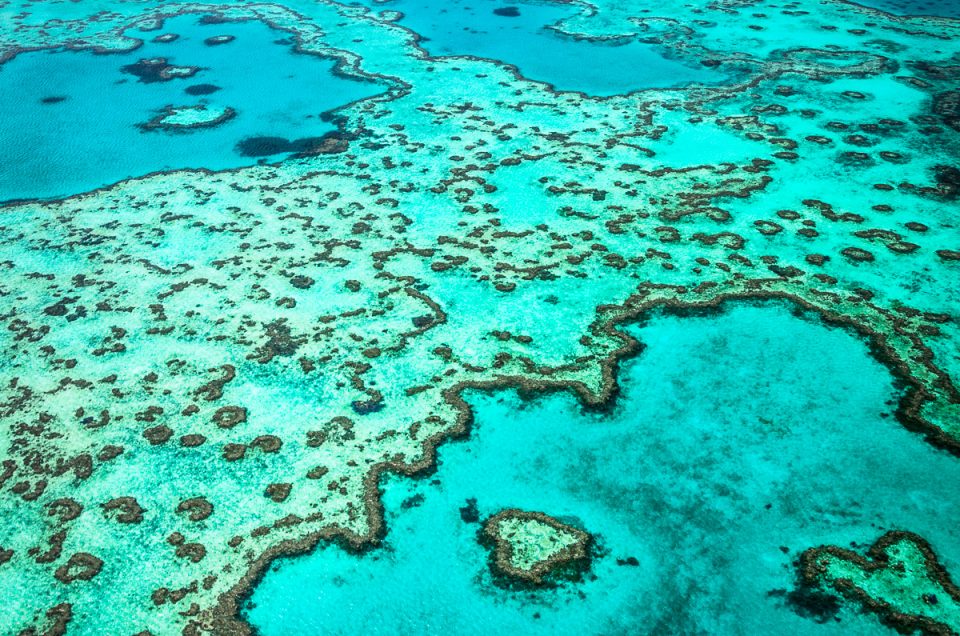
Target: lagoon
[(74, 121), (741, 439)]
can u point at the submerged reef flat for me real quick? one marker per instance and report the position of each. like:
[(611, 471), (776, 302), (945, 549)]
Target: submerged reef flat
[(207, 368), (180, 118), (528, 547), (157, 69), (901, 579), (219, 39)]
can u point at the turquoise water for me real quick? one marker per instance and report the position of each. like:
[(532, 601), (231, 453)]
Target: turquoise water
[(91, 138), (708, 472), (471, 27), (199, 369)]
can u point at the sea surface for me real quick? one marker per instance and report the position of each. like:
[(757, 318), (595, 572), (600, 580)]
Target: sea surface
[(706, 471), (91, 136), (295, 296), (942, 8), (521, 34)]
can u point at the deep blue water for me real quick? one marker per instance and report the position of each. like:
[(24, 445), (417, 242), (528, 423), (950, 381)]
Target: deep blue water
[(943, 8), (471, 27), (91, 138), (739, 441)]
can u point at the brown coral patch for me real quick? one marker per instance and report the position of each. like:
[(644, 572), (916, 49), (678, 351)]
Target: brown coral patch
[(196, 508), (575, 558), (82, 566), (123, 510)]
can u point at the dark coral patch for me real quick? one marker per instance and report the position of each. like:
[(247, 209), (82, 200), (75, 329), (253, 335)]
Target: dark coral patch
[(192, 440), (266, 146), (857, 254), (123, 510), (201, 89), (810, 603), (158, 434), (947, 106), (196, 508), (157, 69), (948, 180), (267, 443), (302, 282), (507, 12), (949, 255), (192, 551), (470, 513), (65, 508), (219, 39), (234, 452), (229, 416), (213, 18), (263, 146), (365, 407), (278, 492), (82, 566)]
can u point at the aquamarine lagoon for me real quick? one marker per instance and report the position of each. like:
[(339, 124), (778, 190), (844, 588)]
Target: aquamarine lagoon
[(399, 317), (74, 120), (519, 34)]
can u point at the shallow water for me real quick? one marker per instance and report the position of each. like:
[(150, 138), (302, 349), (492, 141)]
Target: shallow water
[(200, 369), (718, 479), (91, 138)]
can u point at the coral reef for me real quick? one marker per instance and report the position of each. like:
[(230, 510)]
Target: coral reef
[(529, 547), (181, 118), (203, 371)]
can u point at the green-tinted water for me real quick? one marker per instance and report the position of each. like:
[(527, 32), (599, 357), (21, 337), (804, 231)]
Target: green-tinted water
[(706, 472), (212, 367)]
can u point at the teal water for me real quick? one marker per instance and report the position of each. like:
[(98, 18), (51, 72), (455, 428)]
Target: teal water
[(247, 343), (471, 27), (943, 8), (738, 441), (91, 137)]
